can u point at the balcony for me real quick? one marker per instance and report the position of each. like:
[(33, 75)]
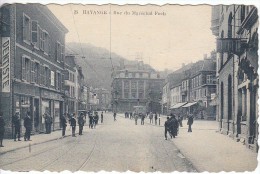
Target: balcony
[(231, 45)]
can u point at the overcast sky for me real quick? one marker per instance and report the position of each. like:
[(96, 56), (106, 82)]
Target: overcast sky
[(181, 35)]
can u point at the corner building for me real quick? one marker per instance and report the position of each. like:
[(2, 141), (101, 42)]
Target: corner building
[(32, 40)]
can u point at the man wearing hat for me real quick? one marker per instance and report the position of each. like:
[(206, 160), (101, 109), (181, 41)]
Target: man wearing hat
[(17, 126)]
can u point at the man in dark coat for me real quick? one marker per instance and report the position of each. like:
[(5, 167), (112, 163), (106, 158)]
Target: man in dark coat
[(73, 124), (2, 129), (81, 123), (90, 119), (173, 126), (102, 117), (28, 127), (166, 127), (114, 116), (155, 118), (190, 122), (63, 124), (17, 126)]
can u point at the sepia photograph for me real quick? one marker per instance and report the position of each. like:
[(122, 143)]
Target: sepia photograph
[(129, 87)]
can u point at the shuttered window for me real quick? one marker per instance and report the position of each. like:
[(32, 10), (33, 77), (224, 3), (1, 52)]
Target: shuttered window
[(26, 28), (32, 72), (35, 33)]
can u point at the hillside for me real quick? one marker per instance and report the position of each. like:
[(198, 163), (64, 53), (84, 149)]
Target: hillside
[(96, 65)]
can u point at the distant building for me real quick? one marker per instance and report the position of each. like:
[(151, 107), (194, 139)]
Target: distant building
[(236, 29), (32, 48), (136, 85), (192, 89)]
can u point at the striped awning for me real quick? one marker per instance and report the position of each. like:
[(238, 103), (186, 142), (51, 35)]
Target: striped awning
[(178, 105), (189, 104)]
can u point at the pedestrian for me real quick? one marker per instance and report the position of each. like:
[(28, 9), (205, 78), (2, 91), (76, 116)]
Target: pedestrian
[(180, 118), (173, 126), (102, 117), (190, 122), (131, 115), (17, 126), (166, 127), (136, 118), (202, 115), (47, 122), (73, 124), (155, 118), (90, 119), (28, 127), (63, 124), (151, 118), (125, 114), (142, 119), (81, 123), (114, 116), (2, 129)]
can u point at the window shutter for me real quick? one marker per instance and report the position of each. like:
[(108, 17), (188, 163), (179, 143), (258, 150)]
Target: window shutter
[(24, 28), (57, 81), (49, 77), (23, 68), (62, 82), (35, 32), (32, 72), (56, 51), (42, 75), (62, 53)]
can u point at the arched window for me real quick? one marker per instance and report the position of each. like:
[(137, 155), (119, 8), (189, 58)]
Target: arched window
[(230, 25)]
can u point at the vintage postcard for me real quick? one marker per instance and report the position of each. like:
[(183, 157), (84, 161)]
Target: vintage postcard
[(140, 88)]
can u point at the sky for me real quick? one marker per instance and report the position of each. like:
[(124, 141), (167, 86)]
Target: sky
[(180, 34)]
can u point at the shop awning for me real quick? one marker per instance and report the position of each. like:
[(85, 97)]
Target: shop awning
[(178, 105), (189, 104)]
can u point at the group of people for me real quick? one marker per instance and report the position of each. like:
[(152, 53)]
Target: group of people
[(27, 123), (94, 118), (17, 127), (172, 125)]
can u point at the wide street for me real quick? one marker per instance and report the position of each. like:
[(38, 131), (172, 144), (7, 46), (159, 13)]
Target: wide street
[(113, 146)]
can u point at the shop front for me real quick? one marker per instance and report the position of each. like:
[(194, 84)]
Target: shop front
[(52, 104)]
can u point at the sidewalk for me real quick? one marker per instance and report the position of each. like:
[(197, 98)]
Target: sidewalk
[(11, 145), (208, 150), (211, 151)]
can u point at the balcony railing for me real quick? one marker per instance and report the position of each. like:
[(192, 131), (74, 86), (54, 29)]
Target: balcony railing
[(231, 45)]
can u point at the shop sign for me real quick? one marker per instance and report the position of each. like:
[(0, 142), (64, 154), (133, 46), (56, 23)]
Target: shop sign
[(5, 64)]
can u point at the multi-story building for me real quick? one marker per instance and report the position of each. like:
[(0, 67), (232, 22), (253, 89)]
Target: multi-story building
[(203, 85), (136, 86), (32, 48), (192, 85), (71, 84), (236, 29)]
